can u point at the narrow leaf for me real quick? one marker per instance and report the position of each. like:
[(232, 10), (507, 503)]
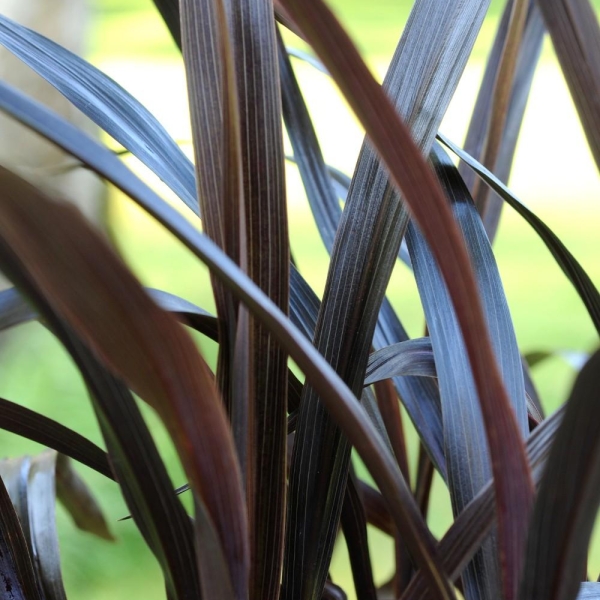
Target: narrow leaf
[(571, 268), (503, 83), (147, 347), (107, 104), (471, 527), (267, 256), (413, 357), (575, 34), (568, 497), (464, 433), (19, 581), (410, 173), (38, 428), (370, 233), (529, 53)]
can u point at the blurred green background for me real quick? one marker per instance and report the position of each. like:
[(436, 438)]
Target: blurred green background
[(554, 174)]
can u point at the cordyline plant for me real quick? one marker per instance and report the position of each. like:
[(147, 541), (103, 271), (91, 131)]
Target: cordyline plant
[(268, 458)]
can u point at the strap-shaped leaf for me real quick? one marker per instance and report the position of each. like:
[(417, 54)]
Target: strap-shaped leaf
[(575, 34), (567, 262), (254, 45), (147, 347), (16, 568), (33, 485), (169, 11), (464, 433), (107, 104), (529, 52), (38, 428), (340, 401), (471, 527), (212, 93), (413, 357), (388, 135), (476, 134), (568, 498), (502, 89), (134, 458), (369, 234)]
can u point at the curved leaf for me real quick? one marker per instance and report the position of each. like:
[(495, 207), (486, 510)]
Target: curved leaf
[(34, 426), (464, 433), (41, 504), (192, 315), (413, 357), (369, 234), (16, 568), (471, 527), (575, 34), (107, 104), (146, 346), (571, 268), (568, 497)]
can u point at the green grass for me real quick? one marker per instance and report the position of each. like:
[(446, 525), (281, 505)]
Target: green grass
[(130, 42)]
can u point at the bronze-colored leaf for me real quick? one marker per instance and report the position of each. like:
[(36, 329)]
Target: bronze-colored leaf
[(147, 347)]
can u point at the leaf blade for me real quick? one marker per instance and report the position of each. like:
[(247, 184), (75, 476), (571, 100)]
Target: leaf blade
[(569, 496), (380, 119), (107, 104)]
